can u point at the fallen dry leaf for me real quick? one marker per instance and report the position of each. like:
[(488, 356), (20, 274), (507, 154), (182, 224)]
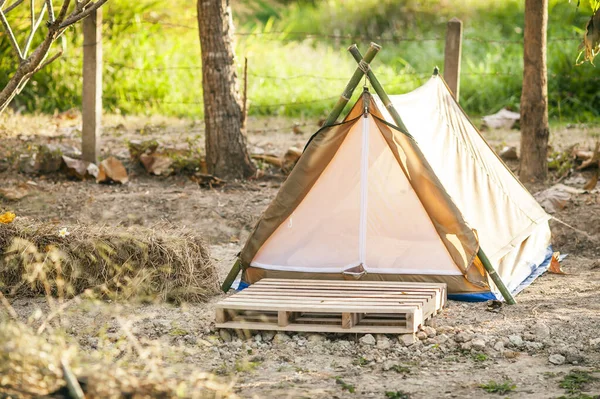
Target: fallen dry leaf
[(112, 170), (270, 159), (290, 158), (13, 194), (205, 180), (593, 161), (553, 199), (503, 119), (508, 153), (7, 217), (156, 164), (555, 264), (76, 167)]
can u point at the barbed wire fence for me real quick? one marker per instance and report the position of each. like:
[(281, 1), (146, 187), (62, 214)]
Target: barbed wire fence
[(92, 93)]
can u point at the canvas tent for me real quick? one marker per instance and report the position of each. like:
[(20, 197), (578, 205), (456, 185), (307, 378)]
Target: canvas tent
[(369, 201)]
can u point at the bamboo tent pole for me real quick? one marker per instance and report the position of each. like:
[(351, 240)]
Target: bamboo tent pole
[(398, 120), (363, 66)]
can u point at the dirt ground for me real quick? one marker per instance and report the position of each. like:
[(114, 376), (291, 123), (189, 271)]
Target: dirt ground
[(556, 320)]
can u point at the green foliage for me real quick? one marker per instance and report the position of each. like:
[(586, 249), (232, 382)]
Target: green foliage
[(575, 381), (361, 361), (152, 56), (398, 368), (397, 395), (345, 386), (500, 388), (480, 357)]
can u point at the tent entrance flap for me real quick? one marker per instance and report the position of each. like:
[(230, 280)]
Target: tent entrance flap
[(364, 213)]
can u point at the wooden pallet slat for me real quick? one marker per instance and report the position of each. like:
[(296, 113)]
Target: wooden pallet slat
[(331, 306)]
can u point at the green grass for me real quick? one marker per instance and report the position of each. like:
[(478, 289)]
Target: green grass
[(501, 388), (152, 56), (480, 357), (345, 386), (575, 382), (397, 395)]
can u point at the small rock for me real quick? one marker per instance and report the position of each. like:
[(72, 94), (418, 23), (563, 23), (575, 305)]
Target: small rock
[(444, 329), (595, 342), (463, 336), (422, 335), (557, 359), (258, 338), (430, 331), (440, 339), (407, 339), (368, 340), (533, 346), (541, 330), (225, 335), (516, 340), (573, 356), (529, 336), (315, 338), (499, 346), (281, 338), (466, 346), (388, 365), (478, 344), (268, 336), (383, 342), (75, 168)]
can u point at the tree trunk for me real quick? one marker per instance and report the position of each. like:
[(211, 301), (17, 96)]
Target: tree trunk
[(226, 152), (534, 97)]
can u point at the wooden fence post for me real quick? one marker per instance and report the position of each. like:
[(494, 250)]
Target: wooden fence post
[(92, 86), (452, 55)]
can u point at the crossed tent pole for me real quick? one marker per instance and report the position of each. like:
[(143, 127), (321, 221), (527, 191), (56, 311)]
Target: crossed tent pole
[(364, 68)]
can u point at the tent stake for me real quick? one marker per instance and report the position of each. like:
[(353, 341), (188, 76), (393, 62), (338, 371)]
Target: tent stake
[(396, 117), (354, 81)]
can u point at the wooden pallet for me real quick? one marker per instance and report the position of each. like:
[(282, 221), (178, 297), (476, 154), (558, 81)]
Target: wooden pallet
[(332, 306)]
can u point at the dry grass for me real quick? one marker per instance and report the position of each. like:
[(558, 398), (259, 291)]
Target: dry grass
[(31, 366), (118, 263)]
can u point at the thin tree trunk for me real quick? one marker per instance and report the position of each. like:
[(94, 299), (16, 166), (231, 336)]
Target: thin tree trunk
[(226, 152), (534, 98)]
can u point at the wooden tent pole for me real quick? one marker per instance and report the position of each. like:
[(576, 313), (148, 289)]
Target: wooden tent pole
[(398, 120), (363, 63)]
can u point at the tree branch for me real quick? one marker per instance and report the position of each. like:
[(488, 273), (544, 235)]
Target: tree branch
[(10, 7), (11, 36), (63, 11), (34, 27), (50, 10), (81, 15)]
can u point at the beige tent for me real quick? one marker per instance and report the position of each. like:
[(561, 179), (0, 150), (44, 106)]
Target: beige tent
[(365, 201)]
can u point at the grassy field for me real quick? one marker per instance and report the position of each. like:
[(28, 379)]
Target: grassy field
[(152, 56)]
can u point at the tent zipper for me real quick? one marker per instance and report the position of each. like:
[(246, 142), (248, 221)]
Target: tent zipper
[(364, 174)]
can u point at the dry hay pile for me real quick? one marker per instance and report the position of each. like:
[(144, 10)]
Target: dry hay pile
[(31, 366), (35, 258)]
